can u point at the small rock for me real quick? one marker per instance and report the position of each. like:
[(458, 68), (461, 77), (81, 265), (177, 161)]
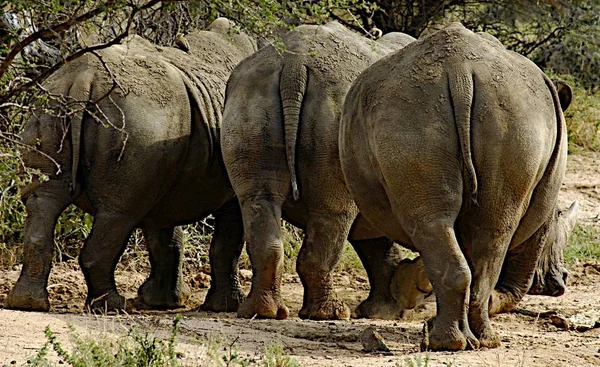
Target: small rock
[(372, 341)]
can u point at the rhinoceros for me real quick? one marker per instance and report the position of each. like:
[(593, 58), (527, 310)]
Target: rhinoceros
[(143, 151), (282, 106), (457, 148)]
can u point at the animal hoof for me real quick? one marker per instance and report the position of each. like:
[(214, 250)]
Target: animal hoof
[(223, 301), (450, 339), (27, 299), (385, 309), (153, 295), (265, 306), (107, 302), (328, 310), (489, 339)]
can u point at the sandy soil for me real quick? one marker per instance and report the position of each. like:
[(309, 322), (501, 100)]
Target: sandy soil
[(528, 339)]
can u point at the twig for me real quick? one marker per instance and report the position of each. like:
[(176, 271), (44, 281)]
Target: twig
[(537, 314), (4, 135), (53, 68), (47, 32), (13, 104)]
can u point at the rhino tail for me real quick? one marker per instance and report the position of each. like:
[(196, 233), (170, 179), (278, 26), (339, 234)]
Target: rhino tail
[(292, 87), (80, 91), (461, 93)]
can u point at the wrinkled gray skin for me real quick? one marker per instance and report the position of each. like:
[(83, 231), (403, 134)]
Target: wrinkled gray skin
[(410, 286), (169, 103), (457, 148), (280, 126)]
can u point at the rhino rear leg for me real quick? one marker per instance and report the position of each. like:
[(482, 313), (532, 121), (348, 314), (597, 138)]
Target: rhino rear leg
[(165, 287), (262, 230), (448, 270), (225, 293), (380, 257), (43, 209), (99, 257), (326, 235), (488, 250)]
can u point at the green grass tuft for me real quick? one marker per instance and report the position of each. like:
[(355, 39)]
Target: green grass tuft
[(136, 349), (274, 356), (584, 244), (350, 262)]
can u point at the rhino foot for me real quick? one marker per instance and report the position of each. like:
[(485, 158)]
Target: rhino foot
[(223, 301), (501, 302), (108, 302), (331, 309), (27, 297), (155, 295), (263, 306), (385, 309), (489, 339), (451, 338)]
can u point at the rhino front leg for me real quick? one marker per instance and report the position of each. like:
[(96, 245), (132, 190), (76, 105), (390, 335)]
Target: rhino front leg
[(99, 257), (380, 258), (225, 293), (43, 209), (165, 287), (322, 248), (262, 230)]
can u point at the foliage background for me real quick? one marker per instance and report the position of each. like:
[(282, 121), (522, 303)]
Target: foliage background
[(36, 37)]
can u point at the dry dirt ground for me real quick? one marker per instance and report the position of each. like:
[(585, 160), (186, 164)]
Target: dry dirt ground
[(528, 339)]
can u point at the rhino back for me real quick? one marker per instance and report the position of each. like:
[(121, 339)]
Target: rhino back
[(514, 124), (156, 134)]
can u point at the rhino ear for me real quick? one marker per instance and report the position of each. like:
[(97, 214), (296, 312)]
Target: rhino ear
[(565, 95), (571, 215)]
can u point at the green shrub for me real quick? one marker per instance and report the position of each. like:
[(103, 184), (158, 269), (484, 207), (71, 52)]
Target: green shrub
[(136, 349), (583, 121)]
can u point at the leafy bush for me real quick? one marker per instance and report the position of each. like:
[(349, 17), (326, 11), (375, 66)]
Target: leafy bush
[(583, 121)]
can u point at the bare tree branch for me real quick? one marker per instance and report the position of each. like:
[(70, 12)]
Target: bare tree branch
[(45, 74), (47, 32)]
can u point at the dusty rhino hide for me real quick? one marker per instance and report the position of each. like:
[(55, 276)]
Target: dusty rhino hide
[(140, 149), (457, 148), (280, 147)]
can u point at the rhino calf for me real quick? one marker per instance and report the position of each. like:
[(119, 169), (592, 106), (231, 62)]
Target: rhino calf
[(457, 148)]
